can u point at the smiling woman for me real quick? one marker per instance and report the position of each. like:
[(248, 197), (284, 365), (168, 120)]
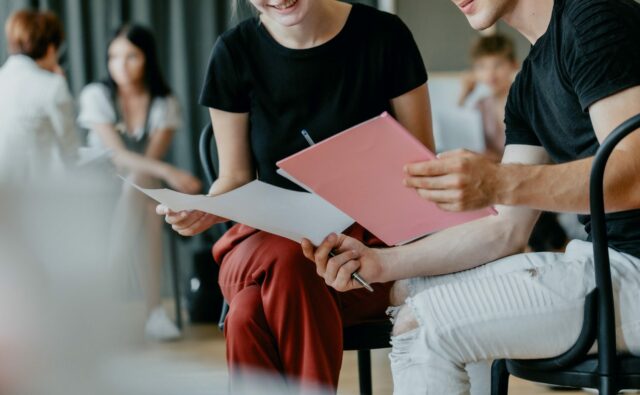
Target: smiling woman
[(300, 64), (245, 8)]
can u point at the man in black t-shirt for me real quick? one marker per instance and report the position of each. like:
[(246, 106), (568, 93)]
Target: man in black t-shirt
[(580, 81)]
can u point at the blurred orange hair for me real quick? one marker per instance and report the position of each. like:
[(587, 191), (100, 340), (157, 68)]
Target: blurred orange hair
[(31, 32)]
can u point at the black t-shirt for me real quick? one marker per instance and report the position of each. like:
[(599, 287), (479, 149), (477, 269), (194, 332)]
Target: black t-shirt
[(324, 89), (590, 51)]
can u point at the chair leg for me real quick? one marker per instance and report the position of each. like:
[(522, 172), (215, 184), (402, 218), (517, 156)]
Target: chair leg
[(364, 372), (223, 315), (175, 277), (607, 386), (499, 378)]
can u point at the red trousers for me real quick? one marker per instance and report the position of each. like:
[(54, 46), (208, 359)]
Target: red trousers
[(283, 318)]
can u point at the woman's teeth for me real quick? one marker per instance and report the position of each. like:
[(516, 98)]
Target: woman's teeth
[(287, 4)]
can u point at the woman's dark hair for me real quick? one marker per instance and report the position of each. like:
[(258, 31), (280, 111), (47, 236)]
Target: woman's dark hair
[(143, 39)]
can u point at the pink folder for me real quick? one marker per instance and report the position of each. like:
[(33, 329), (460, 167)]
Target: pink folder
[(360, 171)]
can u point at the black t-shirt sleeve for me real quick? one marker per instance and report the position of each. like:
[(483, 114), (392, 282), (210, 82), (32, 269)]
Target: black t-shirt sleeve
[(517, 129), (223, 88), (405, 69), (601, 50)]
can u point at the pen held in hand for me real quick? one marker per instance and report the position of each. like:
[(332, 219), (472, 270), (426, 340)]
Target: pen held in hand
[(358, 277), (354, 275)]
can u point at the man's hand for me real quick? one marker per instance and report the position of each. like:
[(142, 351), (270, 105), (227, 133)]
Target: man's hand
[(350, 256), (458, 180)]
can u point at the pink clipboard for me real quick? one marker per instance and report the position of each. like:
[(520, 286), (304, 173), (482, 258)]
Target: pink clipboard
[(360, 171)]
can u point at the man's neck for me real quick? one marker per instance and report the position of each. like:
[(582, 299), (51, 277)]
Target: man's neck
[(530, 17)]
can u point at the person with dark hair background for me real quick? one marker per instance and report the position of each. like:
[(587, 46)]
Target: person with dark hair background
[(134, 115), (37, 133)]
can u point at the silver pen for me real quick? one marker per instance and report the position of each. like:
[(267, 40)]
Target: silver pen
[(354, 275)]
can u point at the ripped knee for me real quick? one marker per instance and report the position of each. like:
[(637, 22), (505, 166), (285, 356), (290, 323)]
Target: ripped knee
[(404, 321), (399, 292)]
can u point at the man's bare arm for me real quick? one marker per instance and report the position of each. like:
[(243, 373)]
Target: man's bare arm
[(463, 180)]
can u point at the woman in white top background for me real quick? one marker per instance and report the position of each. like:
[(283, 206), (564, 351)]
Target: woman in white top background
[(37, 133), (134, 115)]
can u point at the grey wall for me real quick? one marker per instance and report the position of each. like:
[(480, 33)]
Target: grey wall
[(443, 34)]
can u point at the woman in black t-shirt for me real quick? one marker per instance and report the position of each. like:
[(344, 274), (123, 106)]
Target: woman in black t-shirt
[(323, 66)]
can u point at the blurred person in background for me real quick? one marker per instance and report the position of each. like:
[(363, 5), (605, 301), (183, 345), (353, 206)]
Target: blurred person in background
[(494, 64), (37, 133), (134, 115)]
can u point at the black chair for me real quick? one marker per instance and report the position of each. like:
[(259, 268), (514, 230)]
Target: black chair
[(208, 152), (362, 338), (607, 371), (175, 277)]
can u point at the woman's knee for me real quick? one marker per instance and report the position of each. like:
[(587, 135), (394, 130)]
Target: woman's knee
[(245, 311), (289, 268)]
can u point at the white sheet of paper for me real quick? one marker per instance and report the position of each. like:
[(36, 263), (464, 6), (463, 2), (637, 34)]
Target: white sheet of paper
[(286, 213)]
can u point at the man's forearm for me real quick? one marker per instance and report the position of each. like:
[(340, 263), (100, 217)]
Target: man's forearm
[(565, 187), (476, 243), (560, 188)]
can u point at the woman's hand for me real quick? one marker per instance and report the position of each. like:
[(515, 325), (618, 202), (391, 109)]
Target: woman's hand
[(350, 256), (182, 181), (188, 223)]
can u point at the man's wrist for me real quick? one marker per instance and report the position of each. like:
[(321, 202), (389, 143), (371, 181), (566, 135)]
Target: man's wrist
[(388, 263), (505, 185)]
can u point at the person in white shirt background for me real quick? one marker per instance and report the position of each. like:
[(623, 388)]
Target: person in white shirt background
[(37, 132)]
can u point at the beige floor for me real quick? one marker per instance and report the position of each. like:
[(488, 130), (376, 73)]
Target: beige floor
[(204, 345)]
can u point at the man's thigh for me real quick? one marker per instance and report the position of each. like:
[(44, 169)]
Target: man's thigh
[(524, 306), (530, 262)]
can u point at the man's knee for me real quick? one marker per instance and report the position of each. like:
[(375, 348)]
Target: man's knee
[(399, 292), (404, 321)]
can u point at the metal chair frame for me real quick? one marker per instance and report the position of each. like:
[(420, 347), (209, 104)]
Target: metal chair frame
[(608, 372)]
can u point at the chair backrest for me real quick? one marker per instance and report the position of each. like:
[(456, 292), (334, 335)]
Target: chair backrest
[(606, 318), (208, 153)]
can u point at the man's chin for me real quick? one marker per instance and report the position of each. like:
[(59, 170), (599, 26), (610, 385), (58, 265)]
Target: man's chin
[(478, 22)]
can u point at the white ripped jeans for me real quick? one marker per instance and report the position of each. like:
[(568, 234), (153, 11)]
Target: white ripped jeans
[(525, 306)]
